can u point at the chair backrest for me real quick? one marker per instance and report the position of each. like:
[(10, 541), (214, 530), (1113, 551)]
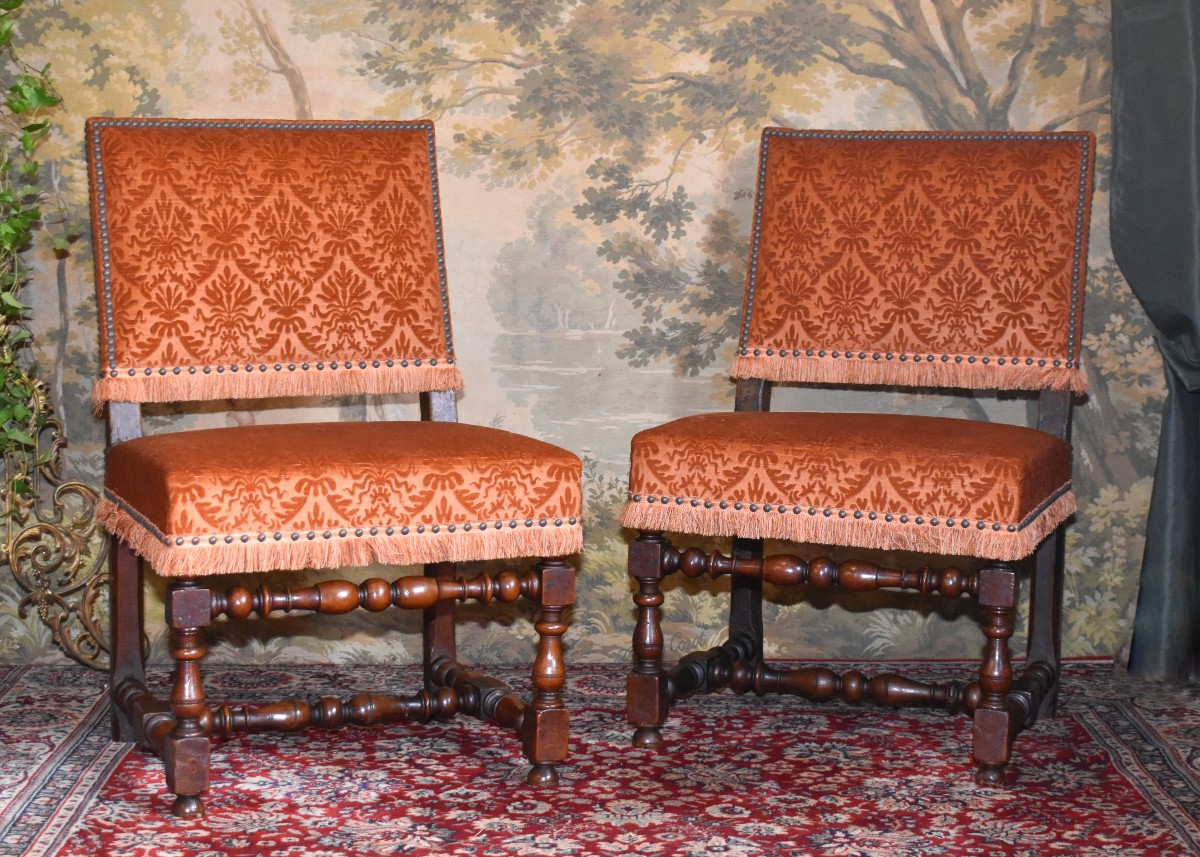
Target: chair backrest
[(918, 258), (247, 259)]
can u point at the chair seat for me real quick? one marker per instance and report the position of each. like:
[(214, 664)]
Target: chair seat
[(259, 498), (896, 482)]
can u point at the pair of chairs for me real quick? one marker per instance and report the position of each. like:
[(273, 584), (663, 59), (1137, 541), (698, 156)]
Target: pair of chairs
[(266, 259)]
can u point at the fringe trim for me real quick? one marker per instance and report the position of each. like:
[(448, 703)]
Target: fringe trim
[(319, 379), (914, 371), (998, 541), (293, 554)]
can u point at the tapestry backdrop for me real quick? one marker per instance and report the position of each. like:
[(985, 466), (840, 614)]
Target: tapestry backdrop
[(597, 167)]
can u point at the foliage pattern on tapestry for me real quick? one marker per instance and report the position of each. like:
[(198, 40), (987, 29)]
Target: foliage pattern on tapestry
[(598, 162)]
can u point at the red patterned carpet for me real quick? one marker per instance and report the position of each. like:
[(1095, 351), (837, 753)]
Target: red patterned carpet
[(1118, 773)]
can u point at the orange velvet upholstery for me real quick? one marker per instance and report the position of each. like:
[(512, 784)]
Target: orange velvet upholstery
[(227, 267), (917, 258), (323, 495), (254, 259), (246, 260), (920, 259), (865, 480), (928, 259)]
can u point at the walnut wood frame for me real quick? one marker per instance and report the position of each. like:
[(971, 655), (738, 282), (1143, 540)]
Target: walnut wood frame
[(179, 727), (1001, 704)]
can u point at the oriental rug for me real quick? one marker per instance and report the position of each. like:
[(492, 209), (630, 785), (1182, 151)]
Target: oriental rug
[(1116, 773)]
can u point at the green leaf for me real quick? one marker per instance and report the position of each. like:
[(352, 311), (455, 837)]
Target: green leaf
[(8, 299), (20, 436), (29, 93)]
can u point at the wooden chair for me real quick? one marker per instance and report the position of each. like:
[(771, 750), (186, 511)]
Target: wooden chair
[(265, 259), (919, 259)]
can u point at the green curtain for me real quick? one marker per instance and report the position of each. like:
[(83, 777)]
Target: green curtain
[(1155, 207)]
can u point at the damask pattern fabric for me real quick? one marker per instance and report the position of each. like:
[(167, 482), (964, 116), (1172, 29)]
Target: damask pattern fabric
[(230, 265), (922, 258), (865, 480), (293, 496), (254, 259), (918, 258)]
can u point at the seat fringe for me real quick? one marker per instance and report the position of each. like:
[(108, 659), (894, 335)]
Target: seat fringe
[(849, 531), (288, 553)]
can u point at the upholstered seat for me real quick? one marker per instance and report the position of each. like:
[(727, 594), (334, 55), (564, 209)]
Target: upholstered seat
[(992, 490), (920, 259), (293, 496), (266, 259)]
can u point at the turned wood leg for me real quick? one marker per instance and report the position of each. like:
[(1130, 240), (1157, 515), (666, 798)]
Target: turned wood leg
[(745, 599), (128, 663), (646, 689), (547, 720), (437, 628), (994, 723), (186, 750)]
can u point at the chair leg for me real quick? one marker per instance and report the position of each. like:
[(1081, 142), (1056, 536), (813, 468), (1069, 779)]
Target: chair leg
[(128, 663), (646, 689), (745, 599), (1045, 615), (995, 723), (546, 721), (186, 750), (437, 627)]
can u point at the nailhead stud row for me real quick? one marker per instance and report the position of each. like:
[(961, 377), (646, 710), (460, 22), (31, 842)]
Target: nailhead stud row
[(813, 511), (360, 532)]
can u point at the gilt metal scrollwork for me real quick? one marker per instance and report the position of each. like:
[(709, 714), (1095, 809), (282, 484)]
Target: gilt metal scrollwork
[(57, 550)]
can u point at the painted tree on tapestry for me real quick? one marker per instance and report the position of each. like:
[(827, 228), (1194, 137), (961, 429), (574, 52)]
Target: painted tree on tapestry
[(98, 67), (627, 130), (638, 92), (250, 38), (635, 89)]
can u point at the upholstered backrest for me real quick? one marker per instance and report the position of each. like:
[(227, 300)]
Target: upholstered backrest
[(918, 258), (252, 259)]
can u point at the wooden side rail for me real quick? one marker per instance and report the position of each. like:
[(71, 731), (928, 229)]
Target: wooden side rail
[(375, 594), (821, 572)]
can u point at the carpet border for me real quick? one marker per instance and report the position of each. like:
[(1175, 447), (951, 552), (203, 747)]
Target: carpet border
[(46, 806)]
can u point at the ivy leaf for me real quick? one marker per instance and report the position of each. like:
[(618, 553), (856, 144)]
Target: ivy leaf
[(19, 436)]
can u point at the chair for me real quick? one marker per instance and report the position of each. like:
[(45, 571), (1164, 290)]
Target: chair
[(275, 259), (917, 259)]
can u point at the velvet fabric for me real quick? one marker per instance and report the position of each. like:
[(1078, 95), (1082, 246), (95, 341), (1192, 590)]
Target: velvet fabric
[(919, 258), (294, 496), (253, 259), (928, 484)]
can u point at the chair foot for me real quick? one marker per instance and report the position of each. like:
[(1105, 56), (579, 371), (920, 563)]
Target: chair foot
[(648, 738), (188, 806), (122, 727), (542, 774), (990, 776)]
